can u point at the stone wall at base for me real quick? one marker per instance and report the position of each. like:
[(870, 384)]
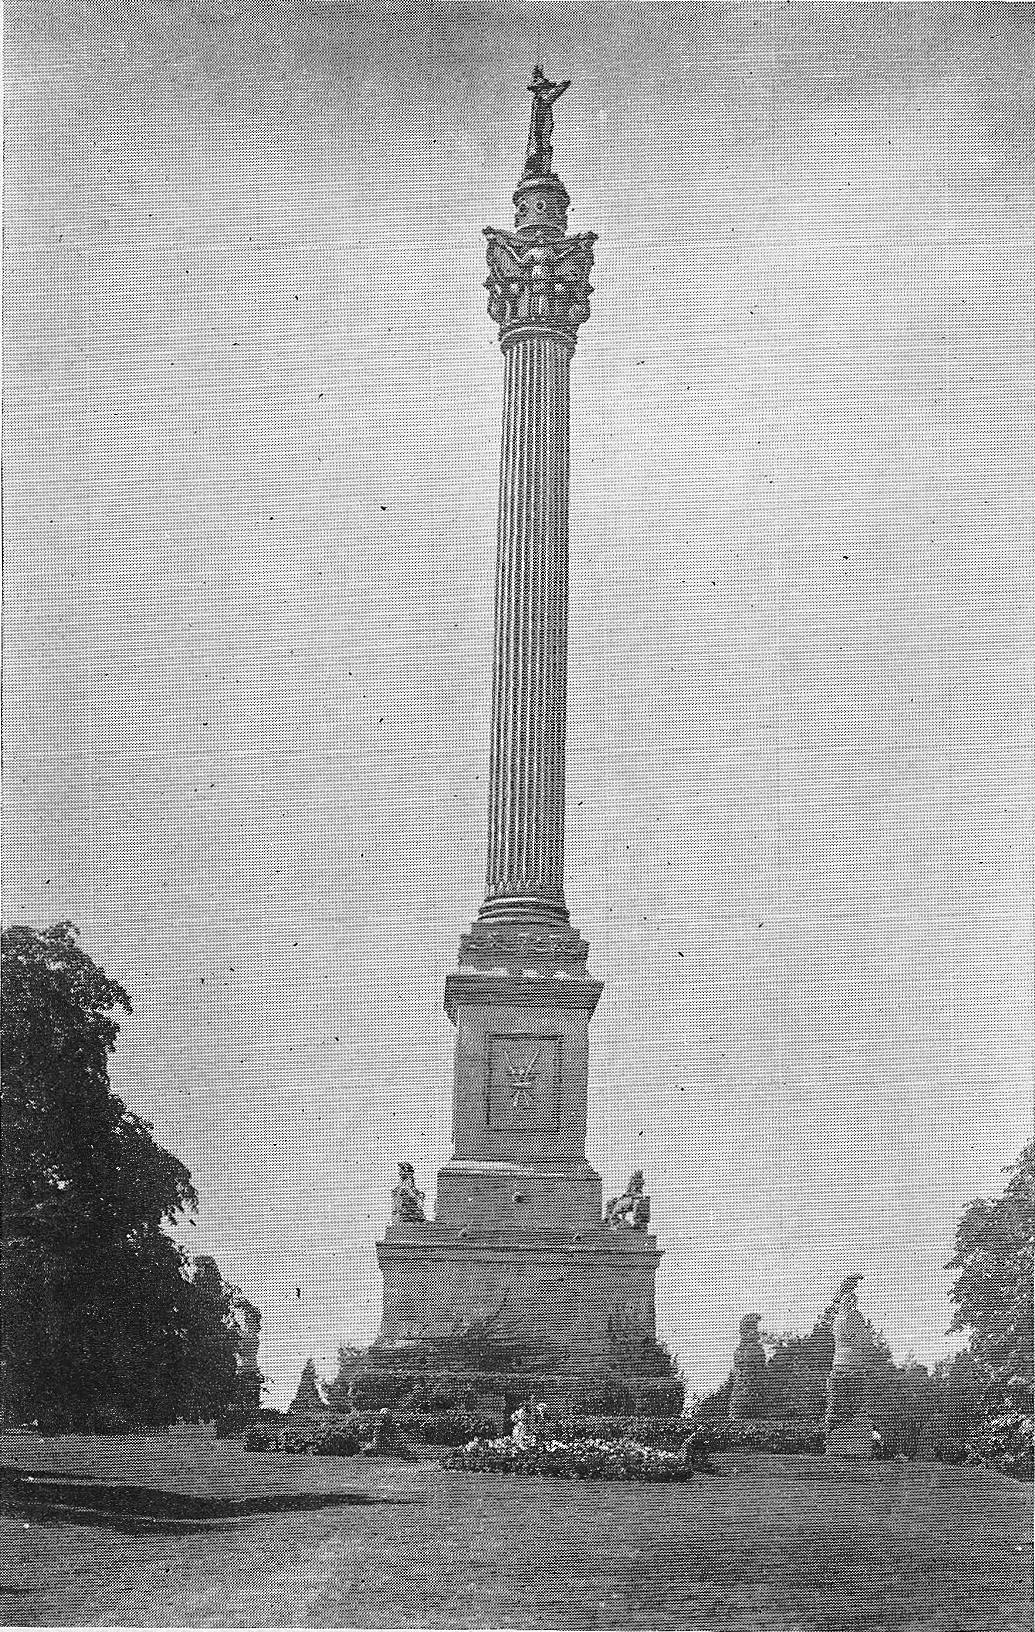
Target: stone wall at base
[(561, 1293), (852, 1437)]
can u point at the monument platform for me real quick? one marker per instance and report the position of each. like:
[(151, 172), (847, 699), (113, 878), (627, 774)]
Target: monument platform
[(567, 1294)]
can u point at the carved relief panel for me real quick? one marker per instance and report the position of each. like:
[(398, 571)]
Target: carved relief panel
[(522, 1083)]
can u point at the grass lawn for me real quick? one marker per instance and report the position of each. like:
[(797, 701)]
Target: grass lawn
[(155, 1532)]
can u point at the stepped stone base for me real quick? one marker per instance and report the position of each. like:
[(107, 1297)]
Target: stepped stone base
[(561, 1291)]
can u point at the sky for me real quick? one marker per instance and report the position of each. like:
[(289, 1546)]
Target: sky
[(251, 426)]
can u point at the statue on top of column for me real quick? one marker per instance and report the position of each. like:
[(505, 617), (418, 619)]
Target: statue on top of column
[(539, 154)]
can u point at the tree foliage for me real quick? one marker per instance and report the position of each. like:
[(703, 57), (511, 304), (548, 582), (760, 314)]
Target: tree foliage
[(208, 1381), (103, 1325), (307, 1395), (992, 1295), (992, 1299), (337, 1392)]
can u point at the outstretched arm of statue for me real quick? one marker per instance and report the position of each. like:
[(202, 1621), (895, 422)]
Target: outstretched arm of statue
[(549, 96)]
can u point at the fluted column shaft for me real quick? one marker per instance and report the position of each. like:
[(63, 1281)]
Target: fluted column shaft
[(526, 765)]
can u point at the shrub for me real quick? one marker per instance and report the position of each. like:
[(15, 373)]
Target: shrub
[(610, 1395), (658, 1397), (1006, 1442), (446, 1427), (572, 1459), (425, 1392), (336, 1437), (347, 1435), (633, 1351), (308, 1396), (777, 1438)]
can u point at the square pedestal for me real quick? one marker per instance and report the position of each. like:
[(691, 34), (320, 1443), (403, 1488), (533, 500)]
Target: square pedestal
[(560, 1292)]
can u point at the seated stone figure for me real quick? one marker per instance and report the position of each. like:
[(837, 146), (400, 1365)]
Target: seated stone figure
[(631, 1210), (407, 1200)]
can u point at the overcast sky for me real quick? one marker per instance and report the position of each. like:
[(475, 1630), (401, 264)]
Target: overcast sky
[(251, 435)]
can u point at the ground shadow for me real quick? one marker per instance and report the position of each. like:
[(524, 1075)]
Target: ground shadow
[(135, 1507)]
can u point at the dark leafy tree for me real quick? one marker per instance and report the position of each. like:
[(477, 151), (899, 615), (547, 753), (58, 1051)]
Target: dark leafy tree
[(964, 1393), (992, 1295), (992, 1301), (101, 1316), (208, 1381)]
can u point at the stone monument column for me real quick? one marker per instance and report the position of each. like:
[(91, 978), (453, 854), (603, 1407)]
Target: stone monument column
[(521, 999), (538, 294), (517, 1238)]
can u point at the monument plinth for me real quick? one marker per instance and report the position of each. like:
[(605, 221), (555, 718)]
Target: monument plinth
[(849, 1423), (518, 1232)]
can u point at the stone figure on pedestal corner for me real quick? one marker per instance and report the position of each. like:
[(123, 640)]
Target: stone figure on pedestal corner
[(539, 153), (407, 1200), (747, 1395), (630, 1210)]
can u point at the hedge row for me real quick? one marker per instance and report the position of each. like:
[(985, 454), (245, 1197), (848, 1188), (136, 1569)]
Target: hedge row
[(424, 1393), (780, 1438), (809, 1439), (345, 1436), (668, 1433)]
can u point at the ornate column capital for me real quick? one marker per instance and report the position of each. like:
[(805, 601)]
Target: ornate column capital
[(538, 281)]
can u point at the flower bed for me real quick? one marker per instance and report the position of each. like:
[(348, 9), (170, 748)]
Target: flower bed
[(572, 1459), (662, 1433)]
